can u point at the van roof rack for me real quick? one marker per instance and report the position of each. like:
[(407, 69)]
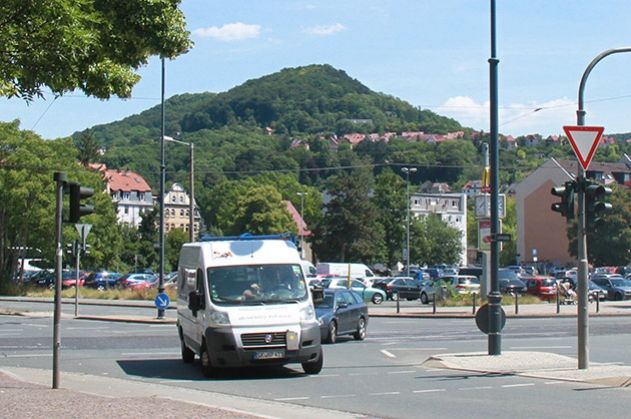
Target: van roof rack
[(249, 236)]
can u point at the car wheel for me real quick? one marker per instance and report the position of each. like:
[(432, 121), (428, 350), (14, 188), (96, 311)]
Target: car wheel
[(188, 356), (360, 334), (331, 336), (424, 298), (619, 296), (100, 288), (377, 298), (314, 367), (208, 369)]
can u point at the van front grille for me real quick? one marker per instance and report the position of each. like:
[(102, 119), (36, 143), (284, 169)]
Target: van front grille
[(273, 339)]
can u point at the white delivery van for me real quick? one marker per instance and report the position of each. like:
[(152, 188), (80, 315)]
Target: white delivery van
[(308, 269), (358, 270), (243, 301)]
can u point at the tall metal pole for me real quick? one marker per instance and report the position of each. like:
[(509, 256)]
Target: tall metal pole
[(494, 297), (407, 172), (60, 179), (302, 226), (583, 267), (191, 210), (77, 277), (162, 181)]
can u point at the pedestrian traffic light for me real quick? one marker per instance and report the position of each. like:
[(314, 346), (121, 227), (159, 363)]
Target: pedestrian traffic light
[(77, 193), (596, 205), (566, 193)]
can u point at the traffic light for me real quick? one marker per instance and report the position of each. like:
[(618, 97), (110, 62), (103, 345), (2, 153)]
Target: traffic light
[(596, 205), (566, 193), (77, 193)]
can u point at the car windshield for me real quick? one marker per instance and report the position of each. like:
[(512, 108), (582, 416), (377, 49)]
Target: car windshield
[(326, 302), (619, 282), (256, 284), (548, 283)]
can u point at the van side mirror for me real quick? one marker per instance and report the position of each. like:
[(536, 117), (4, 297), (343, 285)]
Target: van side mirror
[(195, 302)]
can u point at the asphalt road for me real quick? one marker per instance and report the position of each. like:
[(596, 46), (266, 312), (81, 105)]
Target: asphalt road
[(383, 376)]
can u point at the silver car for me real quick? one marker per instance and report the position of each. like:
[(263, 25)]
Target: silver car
[(462, 284)]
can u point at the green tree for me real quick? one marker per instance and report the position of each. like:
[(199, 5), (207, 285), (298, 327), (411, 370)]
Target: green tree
[(390, 199), (509, 226), (88, 148), (432, 241), (148, 240), (262, 211), (92, 45), (173, 242)]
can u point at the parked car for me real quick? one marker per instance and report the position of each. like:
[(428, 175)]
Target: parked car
[(43, 278), (596, 292), (402, 287), (102, 280), (341, 312), (138, 281), (375, 295), (615, 285), (544, 287), (69, 278), (462, 284), (512, 286)]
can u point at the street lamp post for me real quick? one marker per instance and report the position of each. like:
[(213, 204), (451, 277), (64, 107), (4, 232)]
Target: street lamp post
[(302, 223), (191, 207), (407, 171), (162, 179)]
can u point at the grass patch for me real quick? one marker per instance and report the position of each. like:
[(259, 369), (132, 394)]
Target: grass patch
[(466, 300), (148, 294)]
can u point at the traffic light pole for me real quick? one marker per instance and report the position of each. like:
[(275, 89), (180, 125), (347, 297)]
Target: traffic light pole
[(583, 313), (60, 179)]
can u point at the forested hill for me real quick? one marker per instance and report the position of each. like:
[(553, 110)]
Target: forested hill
[(304, 100)]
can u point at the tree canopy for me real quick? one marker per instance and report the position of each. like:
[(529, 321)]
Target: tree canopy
[(92, 45)]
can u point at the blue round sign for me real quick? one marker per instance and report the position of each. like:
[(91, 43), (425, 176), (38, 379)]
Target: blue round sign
[(162, 301)]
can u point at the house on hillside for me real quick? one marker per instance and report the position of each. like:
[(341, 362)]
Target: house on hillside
[(542, 232), (177, 209)]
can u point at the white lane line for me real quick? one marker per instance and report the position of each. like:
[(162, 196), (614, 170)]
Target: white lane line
[(402, 372), (362, 374), (540, 347), (338, 396), (27, 355), (285, 399), (559, 382), (388, 354), (385, 393), (518, 385), (35, 325), (149, 353), (476, 388), (418, 349), (433, 390), (434, 369)]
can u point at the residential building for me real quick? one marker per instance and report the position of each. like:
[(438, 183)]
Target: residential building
[(452, 209), (304, 234), (130, 193), (177, 210), (542, 233)]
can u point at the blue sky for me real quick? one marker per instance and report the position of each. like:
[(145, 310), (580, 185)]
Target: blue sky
[(430, 53)]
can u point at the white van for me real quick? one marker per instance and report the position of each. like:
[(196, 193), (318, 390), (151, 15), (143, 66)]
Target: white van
[(243, 301), (357, 270)]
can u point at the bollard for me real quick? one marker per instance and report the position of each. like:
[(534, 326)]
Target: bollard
[(558, 301), (516, 303), (597, 294), (434, 303), (473, 295), (396, 297)]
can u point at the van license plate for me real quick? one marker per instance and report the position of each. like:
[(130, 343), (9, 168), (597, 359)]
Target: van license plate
[(269, 354)]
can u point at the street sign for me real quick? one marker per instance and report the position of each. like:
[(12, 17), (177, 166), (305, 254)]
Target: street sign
[(584, 141), (482, 319), (84, 230), (503, 237), (484, 234), (483, 206), (162, 301)]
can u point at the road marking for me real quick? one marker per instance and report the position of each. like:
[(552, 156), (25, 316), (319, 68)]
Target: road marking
[(401, 372), (162, 325), (559, 382), (518, 385), (385, 393), (388, 354), (148, 353), (476, 388), (27, 355), (284, 399), (433, 390), (418, 349), (35, 325), (338, 396), (541, 347)]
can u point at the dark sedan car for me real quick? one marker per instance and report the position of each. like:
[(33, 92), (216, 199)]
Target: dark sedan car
[(102, 280), (341, 312), (43, 278), (512, 286), (403, 287)]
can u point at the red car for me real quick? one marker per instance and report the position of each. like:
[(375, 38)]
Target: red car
[(543, 287), (138, 281), (69, 278)]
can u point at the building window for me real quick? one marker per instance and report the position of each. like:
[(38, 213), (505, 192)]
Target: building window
[(181, 213), (126, 208)]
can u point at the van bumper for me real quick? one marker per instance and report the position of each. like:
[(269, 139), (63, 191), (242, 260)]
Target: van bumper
[(225, 347)]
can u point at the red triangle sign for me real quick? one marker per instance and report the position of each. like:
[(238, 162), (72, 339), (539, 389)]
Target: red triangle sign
[(584, 141)]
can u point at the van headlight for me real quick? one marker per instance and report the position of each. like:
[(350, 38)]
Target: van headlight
[(219, 318), (307, 314)]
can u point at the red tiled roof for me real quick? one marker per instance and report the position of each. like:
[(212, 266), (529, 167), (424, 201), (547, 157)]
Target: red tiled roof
[(295, 215), (126, 181)]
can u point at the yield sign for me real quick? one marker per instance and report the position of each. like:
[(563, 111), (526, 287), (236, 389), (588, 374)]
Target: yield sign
[(584, 141)]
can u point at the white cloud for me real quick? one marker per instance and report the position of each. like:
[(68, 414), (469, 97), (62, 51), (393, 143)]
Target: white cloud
[(516, 119), (325, 30), (230, 32)]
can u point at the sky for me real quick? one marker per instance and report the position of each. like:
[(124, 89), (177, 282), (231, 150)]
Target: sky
[(431, 53)]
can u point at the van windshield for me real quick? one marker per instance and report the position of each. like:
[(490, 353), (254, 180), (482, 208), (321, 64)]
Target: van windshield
[(256, 284)]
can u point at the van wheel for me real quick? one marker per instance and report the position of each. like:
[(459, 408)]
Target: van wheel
[(207, 368), (188, 356), (377, 298), (314, 367)]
